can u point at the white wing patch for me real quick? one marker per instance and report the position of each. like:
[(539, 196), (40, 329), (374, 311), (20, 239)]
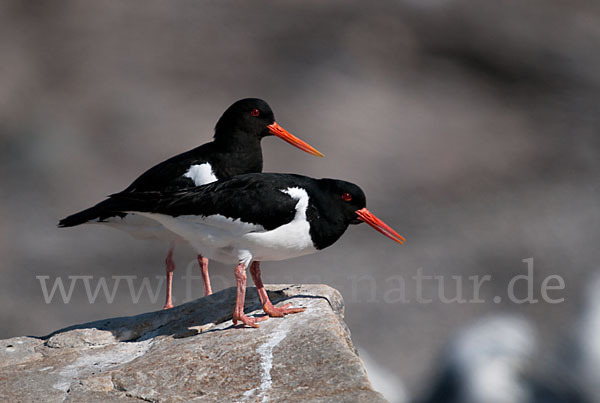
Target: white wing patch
[(140, 227), (201, 174)]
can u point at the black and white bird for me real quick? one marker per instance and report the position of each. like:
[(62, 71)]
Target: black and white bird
[(254, 217), (235, 150)]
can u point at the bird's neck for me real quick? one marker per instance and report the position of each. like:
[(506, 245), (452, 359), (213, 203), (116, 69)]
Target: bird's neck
[(236, 140), (325, 230), (241, 152)]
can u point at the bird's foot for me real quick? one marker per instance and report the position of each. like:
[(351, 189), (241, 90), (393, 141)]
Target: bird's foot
[(279, 312), (168, 306), (247, 320)]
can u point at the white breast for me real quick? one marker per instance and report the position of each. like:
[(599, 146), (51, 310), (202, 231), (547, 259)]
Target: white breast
[(201, 174), (290, 240)]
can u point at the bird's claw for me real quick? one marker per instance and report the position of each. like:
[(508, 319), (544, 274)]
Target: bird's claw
[(279, 312), (247, 320)]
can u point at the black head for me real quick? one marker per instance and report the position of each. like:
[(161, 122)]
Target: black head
[(349, 203), (252, 119), (346, 198), (249, 115)]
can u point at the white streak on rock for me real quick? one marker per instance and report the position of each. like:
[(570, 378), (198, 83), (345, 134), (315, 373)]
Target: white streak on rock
[(266, 363)]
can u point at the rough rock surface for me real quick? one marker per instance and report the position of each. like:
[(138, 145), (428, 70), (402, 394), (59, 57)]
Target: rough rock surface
[(193, 352)]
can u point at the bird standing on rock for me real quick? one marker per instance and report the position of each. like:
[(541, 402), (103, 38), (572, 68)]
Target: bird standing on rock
[(235, 150), (254, 217)]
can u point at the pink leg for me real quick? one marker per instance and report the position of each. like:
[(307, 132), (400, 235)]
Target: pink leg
[(264, 297), (169, 268), (238, 313), (203, 262)]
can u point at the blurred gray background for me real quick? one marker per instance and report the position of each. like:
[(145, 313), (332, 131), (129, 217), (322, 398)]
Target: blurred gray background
[(473, 128)]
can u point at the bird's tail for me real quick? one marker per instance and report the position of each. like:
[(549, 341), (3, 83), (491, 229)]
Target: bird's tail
[(117, 205), (99, 212)]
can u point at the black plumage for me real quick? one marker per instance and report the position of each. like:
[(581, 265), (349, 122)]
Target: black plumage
[(235, 150), (255, 199)]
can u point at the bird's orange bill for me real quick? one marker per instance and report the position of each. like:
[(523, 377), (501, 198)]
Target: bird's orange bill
[(280, 132), (368, 217)]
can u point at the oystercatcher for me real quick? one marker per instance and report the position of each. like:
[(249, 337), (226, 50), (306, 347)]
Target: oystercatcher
[(254, 217), (235, 150)]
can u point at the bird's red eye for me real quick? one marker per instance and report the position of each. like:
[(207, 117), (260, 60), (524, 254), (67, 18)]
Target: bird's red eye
[(347, 197), (255, 112)]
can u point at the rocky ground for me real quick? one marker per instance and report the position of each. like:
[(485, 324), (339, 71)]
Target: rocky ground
[(193, 352)]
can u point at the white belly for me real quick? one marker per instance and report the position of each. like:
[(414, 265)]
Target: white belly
[(230, 241), (288, 241), (141, 228), (245, 241)]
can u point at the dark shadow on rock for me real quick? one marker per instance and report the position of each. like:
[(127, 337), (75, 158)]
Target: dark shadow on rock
[(186, 320)]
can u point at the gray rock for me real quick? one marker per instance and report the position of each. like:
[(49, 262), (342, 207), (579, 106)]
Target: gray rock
[(193, 352)]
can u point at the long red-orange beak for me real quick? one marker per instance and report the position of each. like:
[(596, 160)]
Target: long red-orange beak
[(368, 217), (280, 132)]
